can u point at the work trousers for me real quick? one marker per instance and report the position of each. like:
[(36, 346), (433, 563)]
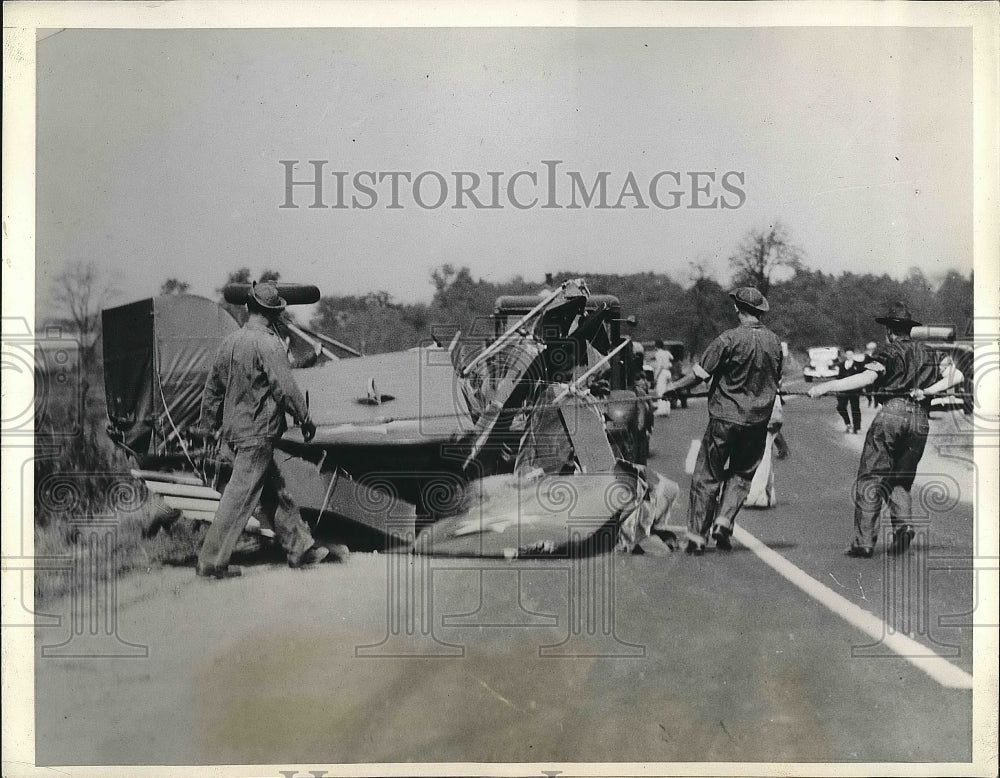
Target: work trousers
[(255, 479), (855, 403), (889, 459), (727, 460)]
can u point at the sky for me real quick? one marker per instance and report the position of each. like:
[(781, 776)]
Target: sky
[(158, 151)]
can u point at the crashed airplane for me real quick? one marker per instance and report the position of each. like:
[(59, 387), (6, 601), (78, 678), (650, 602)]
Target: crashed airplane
[(528, 440)]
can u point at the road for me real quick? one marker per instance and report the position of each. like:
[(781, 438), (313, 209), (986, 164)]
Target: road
[(659, 657)]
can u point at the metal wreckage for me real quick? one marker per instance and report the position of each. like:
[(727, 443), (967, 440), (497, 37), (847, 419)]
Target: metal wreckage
[(530, 439)]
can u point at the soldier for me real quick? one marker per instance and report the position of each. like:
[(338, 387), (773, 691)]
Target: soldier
[(246, 396), (744, 367), (903, 375)]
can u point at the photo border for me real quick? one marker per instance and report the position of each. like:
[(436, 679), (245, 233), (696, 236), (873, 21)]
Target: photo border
[(22, 20)]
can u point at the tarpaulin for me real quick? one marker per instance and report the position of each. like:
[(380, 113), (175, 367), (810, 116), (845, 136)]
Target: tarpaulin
[(523, 516), (157, 354)]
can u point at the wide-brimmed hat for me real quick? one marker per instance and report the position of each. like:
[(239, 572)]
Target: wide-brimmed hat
[(265, 294), (750, 298), (897, 315)]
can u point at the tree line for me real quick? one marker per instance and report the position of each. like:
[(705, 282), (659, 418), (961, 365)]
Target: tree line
[(808, 307)]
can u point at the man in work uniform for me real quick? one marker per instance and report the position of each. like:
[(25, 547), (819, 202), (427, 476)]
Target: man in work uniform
[(744, 367), (247, 394), (903, 375)]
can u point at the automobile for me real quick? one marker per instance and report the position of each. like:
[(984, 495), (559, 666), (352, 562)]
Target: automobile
[(411, 444), (822, 363)]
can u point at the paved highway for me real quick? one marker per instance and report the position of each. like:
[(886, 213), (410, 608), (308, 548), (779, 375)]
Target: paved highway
[(759, 654)]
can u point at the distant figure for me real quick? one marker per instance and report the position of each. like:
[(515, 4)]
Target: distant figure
[(663, 361), (903, 375), (869, 351), (848, 366), (248, 391), (637, 356), (744, 367)]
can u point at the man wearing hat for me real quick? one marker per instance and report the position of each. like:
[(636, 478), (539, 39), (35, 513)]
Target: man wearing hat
[(744, 367), (903, 375), (248, 392)]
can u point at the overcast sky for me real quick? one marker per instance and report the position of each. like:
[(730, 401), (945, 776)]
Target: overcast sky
[(158, 151)]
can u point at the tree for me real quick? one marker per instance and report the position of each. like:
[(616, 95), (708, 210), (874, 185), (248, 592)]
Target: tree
[(707, 309), (919, 295), (761, 253), (955, 301), (174, 286), (80, 292)]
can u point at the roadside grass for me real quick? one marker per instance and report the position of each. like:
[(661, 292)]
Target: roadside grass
[(82, 481), (123, 548)]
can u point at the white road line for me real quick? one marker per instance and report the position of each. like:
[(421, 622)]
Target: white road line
[(920, 656), (692, 456)]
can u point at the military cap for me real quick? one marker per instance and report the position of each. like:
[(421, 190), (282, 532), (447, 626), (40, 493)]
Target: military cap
[(750, 298), (897, 316)]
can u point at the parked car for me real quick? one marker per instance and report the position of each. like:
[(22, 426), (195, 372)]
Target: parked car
[(822, 363)]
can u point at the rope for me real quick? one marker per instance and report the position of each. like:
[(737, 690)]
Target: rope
[(595, 401), (166, 408)]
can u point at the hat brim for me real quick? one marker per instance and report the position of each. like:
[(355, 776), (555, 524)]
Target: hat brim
[(257, 301), (895, 321), (759, 309)]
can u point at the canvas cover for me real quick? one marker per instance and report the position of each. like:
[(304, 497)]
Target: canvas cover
[(512, 516), (157, 354)]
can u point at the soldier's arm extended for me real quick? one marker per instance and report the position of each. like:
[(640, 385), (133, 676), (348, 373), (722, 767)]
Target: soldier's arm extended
[(702, 370), (950, 376), (696, 376), (858, 381), (283, 387)]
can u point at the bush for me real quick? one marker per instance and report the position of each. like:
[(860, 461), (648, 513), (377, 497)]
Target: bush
[(83, 477)]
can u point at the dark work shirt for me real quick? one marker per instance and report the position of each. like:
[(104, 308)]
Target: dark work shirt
[(251, 387), (745, 365), (902, 365)]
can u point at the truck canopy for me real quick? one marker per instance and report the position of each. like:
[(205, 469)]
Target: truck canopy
[(157, 354)]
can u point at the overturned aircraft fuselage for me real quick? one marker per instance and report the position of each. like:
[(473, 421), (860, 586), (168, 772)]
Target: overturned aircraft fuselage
[(467, 441)]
